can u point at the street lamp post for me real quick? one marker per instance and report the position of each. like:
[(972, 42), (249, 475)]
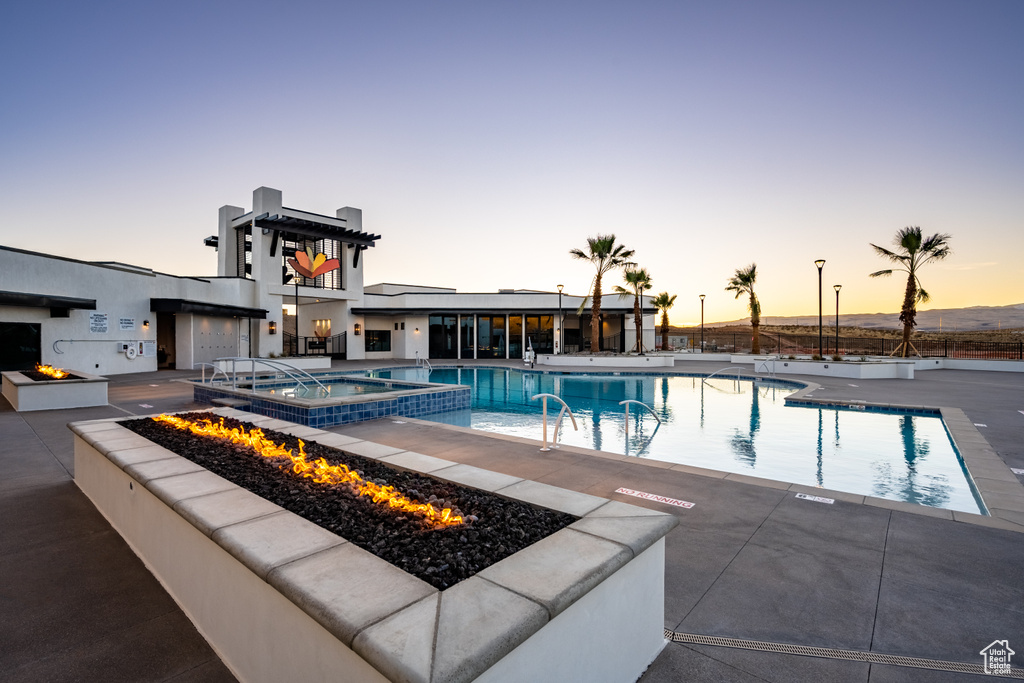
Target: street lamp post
[(837, 288), (561, 323), (820, 263), (702, 323)]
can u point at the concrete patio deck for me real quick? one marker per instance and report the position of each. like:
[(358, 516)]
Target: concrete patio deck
[(748, 561)]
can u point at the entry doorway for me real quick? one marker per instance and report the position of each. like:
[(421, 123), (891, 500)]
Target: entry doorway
[(20, 346), (166, 334)]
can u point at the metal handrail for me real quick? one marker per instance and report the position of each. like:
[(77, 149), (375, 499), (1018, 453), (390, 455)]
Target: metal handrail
[(275, 365), (633, 400), (651, 411), (215, 370), (424, 361), (764, 364), (558, 423), (738, 371)]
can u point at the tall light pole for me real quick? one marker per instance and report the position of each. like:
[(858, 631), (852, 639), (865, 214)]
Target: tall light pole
[(820, 262), (837, 288), (561, 323), (702, 323)]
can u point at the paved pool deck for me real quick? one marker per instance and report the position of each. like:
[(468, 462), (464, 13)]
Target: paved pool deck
[(750, 561)]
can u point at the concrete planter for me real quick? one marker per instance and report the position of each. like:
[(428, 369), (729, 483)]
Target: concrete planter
[(888, 369), (623, 361), (280, 598), (26, 394)]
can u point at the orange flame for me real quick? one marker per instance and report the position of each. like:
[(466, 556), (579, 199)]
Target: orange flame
[(51, 371), (318, 470)]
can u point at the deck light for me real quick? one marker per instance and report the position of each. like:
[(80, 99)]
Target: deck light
[(702, 323), (837, 288), (820, 263), (560, 321)]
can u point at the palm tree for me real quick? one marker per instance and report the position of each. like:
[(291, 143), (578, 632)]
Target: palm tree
[(638, 281), (913, 252), (663, 302), (606, 255), (743, 283)]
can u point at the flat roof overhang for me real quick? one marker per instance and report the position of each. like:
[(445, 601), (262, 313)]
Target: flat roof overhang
[(315, 226), (45, 301), (202, 308)]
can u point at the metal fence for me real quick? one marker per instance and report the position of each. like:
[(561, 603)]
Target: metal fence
[(804, 344), (335, 346)]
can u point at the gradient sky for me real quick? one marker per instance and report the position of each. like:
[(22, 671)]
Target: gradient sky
[(484, 140)]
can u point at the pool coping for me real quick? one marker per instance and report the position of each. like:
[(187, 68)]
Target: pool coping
[(1001, 491)]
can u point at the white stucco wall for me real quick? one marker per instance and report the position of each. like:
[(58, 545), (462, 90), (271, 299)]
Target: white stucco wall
[(120, 292)]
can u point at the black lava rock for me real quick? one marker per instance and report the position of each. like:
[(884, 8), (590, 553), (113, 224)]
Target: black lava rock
[(494, 527)]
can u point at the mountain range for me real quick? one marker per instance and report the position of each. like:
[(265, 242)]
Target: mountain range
[(937, 319)]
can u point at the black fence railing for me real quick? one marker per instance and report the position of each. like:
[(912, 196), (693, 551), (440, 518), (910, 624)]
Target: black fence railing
[(803, 344), (335, 346)]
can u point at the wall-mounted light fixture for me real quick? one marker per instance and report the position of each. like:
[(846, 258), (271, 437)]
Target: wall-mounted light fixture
[(417, 330), (358, 329), (145, 324), (273, 326)]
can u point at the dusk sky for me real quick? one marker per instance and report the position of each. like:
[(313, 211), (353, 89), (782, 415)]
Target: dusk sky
[(484, 140)]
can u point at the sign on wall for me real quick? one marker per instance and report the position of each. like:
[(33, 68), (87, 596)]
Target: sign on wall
[(127, 324), (148, 349), (98, 323)]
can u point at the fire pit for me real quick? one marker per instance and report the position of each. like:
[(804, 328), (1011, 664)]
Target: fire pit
[(281, 597), (49, 388), (437, 531)]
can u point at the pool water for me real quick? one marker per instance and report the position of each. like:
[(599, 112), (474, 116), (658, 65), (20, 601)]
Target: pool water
[(334, 389), (722, 424)]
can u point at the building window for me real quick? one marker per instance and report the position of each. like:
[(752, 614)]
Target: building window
[(332, 249), (378, 340)]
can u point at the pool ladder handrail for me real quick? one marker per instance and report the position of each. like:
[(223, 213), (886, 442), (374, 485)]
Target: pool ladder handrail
[(424, 361), (739, 371), (216, 369), (651, 411), (633, 400), (289, 370), (764, 364), (558, 423)]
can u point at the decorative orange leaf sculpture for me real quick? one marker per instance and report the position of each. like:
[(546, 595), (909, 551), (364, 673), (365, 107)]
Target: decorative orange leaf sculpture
[(310, 266)]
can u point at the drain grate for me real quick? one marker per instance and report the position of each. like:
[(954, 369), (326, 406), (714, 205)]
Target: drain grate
[(830, 653)]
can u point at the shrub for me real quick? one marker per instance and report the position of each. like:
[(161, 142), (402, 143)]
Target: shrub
[(837, 357)]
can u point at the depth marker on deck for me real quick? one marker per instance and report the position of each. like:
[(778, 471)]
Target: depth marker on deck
[(1016, 471), (656, 498), (816, 499), (145, 405), (978, 424)]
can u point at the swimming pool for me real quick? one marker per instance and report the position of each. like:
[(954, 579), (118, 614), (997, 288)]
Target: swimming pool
[(722, 424)]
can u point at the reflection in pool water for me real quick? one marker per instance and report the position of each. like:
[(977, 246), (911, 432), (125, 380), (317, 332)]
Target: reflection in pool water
[(723, 424)]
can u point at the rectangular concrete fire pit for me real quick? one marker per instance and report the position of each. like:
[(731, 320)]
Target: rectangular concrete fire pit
[(280, 598), (26, 394)]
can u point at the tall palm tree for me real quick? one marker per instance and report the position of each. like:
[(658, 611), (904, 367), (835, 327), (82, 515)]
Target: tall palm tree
[(606, 255), (638, 281), (663, 302), (743, 283), (913, 252)]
